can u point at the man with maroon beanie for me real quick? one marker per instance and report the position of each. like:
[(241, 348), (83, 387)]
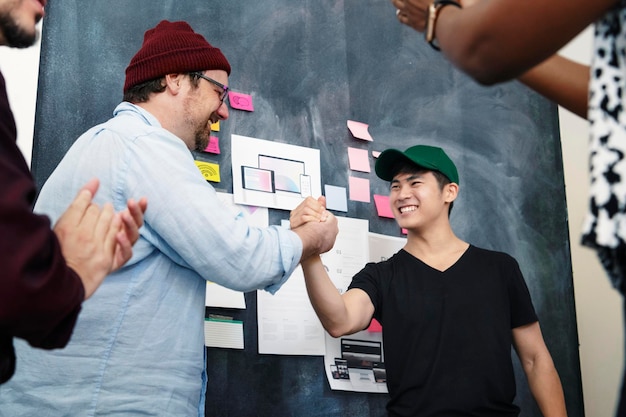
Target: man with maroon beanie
[(138, 347), (47, 274)]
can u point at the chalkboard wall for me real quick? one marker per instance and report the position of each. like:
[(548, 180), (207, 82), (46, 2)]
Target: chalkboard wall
[(310, 66)]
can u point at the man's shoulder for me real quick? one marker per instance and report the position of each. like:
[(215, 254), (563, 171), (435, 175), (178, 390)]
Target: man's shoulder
[(490, 254)]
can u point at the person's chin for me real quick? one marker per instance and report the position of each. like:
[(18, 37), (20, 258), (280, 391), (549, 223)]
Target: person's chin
[(21, 38)]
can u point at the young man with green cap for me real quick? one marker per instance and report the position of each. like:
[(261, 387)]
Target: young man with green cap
[(450, 311)]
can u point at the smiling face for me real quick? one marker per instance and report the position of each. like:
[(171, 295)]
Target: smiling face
[(418, 200), (18, 20), (204, 107)]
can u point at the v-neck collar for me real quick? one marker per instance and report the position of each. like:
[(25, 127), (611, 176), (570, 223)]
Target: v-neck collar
[(460, 258)]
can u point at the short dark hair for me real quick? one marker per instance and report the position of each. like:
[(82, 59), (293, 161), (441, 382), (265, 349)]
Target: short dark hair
[(406, 167), (140, 93)]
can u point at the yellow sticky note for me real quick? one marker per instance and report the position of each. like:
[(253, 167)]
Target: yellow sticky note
[(210, 171), (215, 126)]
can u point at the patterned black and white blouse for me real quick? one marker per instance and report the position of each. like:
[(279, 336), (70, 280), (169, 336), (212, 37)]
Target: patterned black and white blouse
[(605, 224)]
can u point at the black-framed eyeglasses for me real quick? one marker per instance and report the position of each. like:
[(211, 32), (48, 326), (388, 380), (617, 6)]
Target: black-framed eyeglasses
[(224, 88)]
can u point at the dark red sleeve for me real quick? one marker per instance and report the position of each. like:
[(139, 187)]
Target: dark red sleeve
[(40, 297)]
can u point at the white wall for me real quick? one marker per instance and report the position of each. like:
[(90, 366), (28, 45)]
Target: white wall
[(20, 68), (598, 306)]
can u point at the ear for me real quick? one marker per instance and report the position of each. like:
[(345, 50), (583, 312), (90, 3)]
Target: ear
[(174, 82), (450, 191)]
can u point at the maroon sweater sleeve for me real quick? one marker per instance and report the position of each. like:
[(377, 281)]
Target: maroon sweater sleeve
[(40, 296)]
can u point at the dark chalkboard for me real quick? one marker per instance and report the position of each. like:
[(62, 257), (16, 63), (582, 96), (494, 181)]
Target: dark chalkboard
[(310, 66)]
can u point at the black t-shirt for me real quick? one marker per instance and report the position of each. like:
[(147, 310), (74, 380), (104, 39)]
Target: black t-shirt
[(447, 335)]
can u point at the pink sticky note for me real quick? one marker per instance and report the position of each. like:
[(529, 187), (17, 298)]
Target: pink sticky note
[(359, 130), (240, 101), (359, 159), (214, 145), (382, 206), (404, 231), (359, 189), (375, 154), (375, 327)]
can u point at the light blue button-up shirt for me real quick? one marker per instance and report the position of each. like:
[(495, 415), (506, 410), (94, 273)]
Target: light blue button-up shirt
[(138, 346)]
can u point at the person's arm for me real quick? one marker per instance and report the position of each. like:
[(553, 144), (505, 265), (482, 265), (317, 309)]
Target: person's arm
[(538, 366), (561, 80), (49, 273), (339, 314), (498, 40)]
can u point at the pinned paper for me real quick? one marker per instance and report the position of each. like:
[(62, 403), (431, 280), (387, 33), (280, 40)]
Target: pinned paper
[(382, 206), (215, 127), (218, 296), (359, 160), (223, 333), (375, 154), (240, 101), (209, 170), (359, 189), (214, 145), (336, 198), (359, 130), (375, 327)]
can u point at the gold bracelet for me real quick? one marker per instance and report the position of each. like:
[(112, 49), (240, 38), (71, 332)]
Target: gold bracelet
[(433, 12)]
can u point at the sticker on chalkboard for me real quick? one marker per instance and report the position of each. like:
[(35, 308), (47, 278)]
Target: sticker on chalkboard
[(360, 130), (213, 146), (210, 171), (240, 101)]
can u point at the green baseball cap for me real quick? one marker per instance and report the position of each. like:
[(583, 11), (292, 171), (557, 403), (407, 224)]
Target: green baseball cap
[(429, 157)]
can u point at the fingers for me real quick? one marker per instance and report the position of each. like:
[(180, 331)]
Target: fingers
[(412, 12), (92, 186), (100, 222), (309, 210), (132, 218), (123, 251), (331, 229), (109, 224)]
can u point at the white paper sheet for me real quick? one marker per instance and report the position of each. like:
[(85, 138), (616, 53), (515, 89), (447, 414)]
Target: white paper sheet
[(273, 174), (358, 379), (286, 321), (223, 333)]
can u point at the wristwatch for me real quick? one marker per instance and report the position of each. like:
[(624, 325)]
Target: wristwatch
[(433, 13)]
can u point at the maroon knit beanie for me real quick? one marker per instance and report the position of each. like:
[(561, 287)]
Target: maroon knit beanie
[(172, 47)]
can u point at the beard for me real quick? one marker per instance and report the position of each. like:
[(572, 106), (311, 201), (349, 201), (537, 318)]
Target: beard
[(202, 140), (15, 35)]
